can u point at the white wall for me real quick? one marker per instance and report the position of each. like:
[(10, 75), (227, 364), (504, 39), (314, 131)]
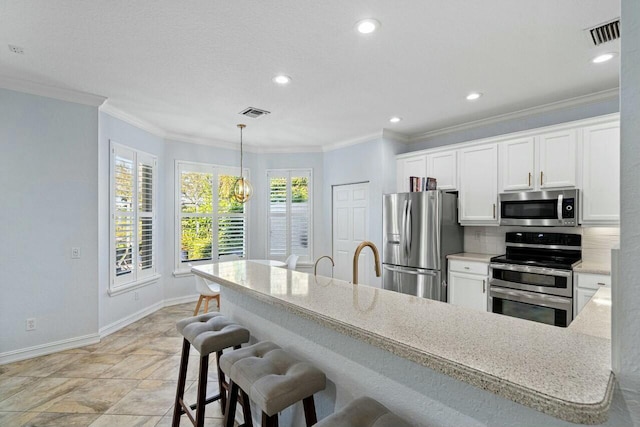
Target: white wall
[(626, 292), (48, 152), (116, 310)]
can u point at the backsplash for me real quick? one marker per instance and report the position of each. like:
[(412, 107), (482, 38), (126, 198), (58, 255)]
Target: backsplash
[(596, 241)]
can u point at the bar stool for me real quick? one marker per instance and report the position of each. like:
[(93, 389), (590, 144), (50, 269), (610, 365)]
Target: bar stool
[(208, 333), (273, 379), (363, 412)]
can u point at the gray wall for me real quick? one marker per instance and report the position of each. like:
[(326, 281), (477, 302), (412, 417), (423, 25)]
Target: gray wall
[(49, 196)]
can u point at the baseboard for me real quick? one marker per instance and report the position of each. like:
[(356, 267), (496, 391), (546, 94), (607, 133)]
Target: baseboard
[(125, 321), (48, 348), (181, 300)]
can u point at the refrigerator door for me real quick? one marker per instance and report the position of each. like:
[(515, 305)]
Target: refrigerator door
[(413, 281), (394, 225), (422, 230)]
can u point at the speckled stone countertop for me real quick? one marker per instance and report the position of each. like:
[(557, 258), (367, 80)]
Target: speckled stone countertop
[(595, 317), (472, 256), (593, 268), (554, 370)]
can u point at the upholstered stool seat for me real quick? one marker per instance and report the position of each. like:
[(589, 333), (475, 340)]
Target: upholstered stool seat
[(208, 333), (363, 412), (273, 379)]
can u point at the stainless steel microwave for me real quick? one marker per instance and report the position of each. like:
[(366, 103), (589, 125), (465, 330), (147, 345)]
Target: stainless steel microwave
[(540, 208)]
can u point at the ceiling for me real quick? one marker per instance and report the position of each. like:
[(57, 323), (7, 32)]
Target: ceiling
[(189, 68)]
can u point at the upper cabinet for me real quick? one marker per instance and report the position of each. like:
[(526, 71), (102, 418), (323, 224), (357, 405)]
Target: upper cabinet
[(407, 167), (601, 174), (539, 162), (443, 166), (478, 195), (557, 159)]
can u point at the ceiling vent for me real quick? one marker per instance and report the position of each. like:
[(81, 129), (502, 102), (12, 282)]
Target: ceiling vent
[(254, 113), (605, 33), (16, 49)]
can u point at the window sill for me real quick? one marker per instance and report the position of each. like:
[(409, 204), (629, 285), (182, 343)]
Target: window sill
[(135, 285), (182, 273)]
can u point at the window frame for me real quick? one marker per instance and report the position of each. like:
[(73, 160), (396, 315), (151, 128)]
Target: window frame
[(288, 173), (183, 269), (140, 276)]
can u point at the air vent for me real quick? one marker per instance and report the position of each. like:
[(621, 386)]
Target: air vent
[(16, 49), (605, 33), (254, 113)]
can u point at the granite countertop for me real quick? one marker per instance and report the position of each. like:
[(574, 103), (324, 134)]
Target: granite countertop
[(558, 371), (593, 268), (595, 317), (472, 256)]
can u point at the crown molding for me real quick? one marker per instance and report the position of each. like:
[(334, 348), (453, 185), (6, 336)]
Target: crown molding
[(39, 89), (353, 141), (554, 106), (395, 135), (132, 120)]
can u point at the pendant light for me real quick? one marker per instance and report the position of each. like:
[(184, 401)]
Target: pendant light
[(242, 189)]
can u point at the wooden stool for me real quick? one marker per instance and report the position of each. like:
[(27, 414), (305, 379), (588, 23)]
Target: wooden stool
[(273, 379), (363, 412), (208, 333)]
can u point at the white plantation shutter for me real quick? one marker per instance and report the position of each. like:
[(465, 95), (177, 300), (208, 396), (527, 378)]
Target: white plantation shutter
[(289, 214), (133, 205)]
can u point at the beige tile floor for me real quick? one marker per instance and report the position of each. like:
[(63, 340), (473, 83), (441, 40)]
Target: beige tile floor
[(128, 379)]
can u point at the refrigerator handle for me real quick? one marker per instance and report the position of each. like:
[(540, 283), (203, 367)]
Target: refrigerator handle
[(408, 230), (404, 228)]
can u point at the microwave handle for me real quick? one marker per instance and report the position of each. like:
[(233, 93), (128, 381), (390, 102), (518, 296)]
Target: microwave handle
[(560, 198)]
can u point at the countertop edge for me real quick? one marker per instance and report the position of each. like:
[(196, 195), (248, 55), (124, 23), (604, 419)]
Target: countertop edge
[(581, 413)]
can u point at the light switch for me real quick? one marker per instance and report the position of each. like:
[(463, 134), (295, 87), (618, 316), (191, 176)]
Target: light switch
[(75, 253)]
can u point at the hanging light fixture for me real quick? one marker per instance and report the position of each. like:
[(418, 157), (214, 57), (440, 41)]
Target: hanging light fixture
[(242, 189)]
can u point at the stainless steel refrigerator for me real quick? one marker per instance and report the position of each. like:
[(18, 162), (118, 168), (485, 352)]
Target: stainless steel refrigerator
[(419, 230)]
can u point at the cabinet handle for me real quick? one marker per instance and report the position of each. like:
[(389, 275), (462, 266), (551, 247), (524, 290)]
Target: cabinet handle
[(484, 286), (602, 284), (529, 179), (494, 211), (541, 175)]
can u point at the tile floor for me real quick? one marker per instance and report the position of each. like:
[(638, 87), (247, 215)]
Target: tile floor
[(128, 379)]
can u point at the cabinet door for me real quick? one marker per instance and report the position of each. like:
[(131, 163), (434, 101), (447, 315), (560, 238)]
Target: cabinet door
[(478, 185), (601, 174), (582, 298), (443, 167), (468, 290), (557, 159), (517, 164), (410, 166)]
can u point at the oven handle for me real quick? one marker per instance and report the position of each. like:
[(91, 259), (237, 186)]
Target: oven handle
[(532, 298), (560, 197), (534, 270)]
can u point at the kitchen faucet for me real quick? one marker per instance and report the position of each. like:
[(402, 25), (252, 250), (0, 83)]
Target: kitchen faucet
[(356, 255)]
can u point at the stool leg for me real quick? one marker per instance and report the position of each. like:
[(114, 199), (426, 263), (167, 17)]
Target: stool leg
[(182, 378), (202, 390), (230, 413), (269, 421), (206, 304), (195, 313), (309, 411), (246, 409), (221, 384)]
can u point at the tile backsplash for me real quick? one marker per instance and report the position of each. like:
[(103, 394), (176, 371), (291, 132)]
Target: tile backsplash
[(597, 242)]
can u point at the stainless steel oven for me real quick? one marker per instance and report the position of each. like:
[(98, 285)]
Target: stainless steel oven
[(543, 308), (540, 208)]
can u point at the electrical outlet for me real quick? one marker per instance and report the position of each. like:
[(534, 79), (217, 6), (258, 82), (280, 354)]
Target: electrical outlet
[(477, 234), (136, 296), (31, 324), (75, 253)]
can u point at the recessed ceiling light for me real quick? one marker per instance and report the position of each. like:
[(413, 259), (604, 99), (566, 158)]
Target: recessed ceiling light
[(603, 58), (282, 79), (473, 96), (367, 26), (395, 119)]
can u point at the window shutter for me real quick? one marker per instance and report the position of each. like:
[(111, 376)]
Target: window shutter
[(300, 215), (278, 212), (146, 214), (123, 215)]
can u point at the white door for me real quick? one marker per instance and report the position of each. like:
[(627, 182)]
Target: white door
[(444, 168), (350, 225), (479, 185), (517, 164), (557, 161)]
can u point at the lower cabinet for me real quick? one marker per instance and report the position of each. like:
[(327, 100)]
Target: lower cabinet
[(585, 286), (468, 284)]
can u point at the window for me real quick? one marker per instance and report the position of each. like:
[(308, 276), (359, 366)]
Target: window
[(289, 214), (133, 218), (209, 223)]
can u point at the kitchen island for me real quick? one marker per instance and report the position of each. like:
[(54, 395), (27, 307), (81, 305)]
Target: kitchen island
[(380, 343)]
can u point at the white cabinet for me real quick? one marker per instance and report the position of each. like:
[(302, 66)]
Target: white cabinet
[(468, 284), (517, 164), (443, 166), (478, 185), (585, 286), (601, 174), (410, 166), (539, 162), (557, 159)]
